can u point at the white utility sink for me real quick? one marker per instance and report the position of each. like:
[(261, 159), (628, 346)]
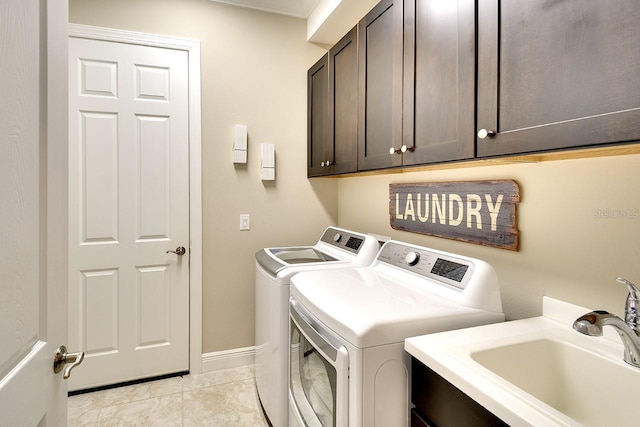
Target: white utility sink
[(576, 382), (539, 371)]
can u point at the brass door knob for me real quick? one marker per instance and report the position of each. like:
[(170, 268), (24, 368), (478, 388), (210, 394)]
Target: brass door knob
[(65, 360)]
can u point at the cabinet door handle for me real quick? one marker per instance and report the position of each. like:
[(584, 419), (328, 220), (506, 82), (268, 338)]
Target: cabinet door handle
[(401, 150), (483, 133), (404, 149)]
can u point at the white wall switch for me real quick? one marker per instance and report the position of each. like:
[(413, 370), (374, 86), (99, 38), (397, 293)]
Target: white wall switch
[(245, 222)]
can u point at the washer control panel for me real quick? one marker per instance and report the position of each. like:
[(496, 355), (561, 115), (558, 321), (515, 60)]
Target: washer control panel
[(342, 239), (439, 266)]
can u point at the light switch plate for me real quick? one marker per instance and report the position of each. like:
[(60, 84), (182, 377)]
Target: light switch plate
[(245, 222)]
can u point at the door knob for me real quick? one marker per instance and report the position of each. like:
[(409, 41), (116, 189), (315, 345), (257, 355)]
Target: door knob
[(66, 360), (180, 250)]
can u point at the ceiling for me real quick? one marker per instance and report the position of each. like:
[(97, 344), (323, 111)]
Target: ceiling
[(297, 8)]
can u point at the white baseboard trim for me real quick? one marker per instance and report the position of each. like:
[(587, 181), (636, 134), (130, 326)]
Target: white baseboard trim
[(227, 359)]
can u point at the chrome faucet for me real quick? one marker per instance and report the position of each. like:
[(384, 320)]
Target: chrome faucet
[(628, 329)]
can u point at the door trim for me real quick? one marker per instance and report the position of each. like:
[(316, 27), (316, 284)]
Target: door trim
[(192, 47)]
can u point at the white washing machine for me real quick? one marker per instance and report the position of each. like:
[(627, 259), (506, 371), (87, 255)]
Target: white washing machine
[(348, 367), (336, 248)]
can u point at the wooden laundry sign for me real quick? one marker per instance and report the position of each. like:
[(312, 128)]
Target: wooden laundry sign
[(481, 212)]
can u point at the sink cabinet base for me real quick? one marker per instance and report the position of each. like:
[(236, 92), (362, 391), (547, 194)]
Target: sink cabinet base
[(439, 403)]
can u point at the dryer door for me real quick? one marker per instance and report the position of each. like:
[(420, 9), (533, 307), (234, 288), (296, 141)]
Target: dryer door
[(319, 374)]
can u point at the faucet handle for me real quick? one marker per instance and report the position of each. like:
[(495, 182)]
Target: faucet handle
[(634, 292), (632, 304)]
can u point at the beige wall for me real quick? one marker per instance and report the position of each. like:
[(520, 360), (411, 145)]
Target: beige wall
[(254, 72), (566, 251), (254, 68)]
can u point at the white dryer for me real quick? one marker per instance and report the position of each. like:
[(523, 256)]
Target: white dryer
[(348, 367), (336, 248)]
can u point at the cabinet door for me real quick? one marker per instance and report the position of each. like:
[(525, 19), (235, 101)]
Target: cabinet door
[(439, 80), (440, 402), (318, 144), (417, 420), (380, 86), (343, 103), (557, 74)]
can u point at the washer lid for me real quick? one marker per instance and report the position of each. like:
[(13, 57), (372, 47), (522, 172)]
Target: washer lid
[(335, 246), (368, 306), (300, 255)]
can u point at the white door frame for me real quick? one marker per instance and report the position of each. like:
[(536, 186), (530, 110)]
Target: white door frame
[(192, 47)]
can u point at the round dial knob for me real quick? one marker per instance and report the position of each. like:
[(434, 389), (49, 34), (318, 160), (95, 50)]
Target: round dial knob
[(337, 237), (412, 258)]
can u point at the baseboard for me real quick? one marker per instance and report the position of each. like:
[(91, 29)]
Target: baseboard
[(227, 359)]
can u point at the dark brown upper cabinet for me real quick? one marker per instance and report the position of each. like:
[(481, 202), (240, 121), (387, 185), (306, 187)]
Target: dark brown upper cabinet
[(557, 74), (318, 144), (332, 140), (380, 86), (343, 103), (439, 81)]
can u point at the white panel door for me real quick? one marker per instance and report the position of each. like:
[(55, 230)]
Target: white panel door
[(129, 205), (33, 210)]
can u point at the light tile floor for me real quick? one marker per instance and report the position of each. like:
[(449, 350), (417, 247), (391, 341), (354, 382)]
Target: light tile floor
[(221, 398)]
